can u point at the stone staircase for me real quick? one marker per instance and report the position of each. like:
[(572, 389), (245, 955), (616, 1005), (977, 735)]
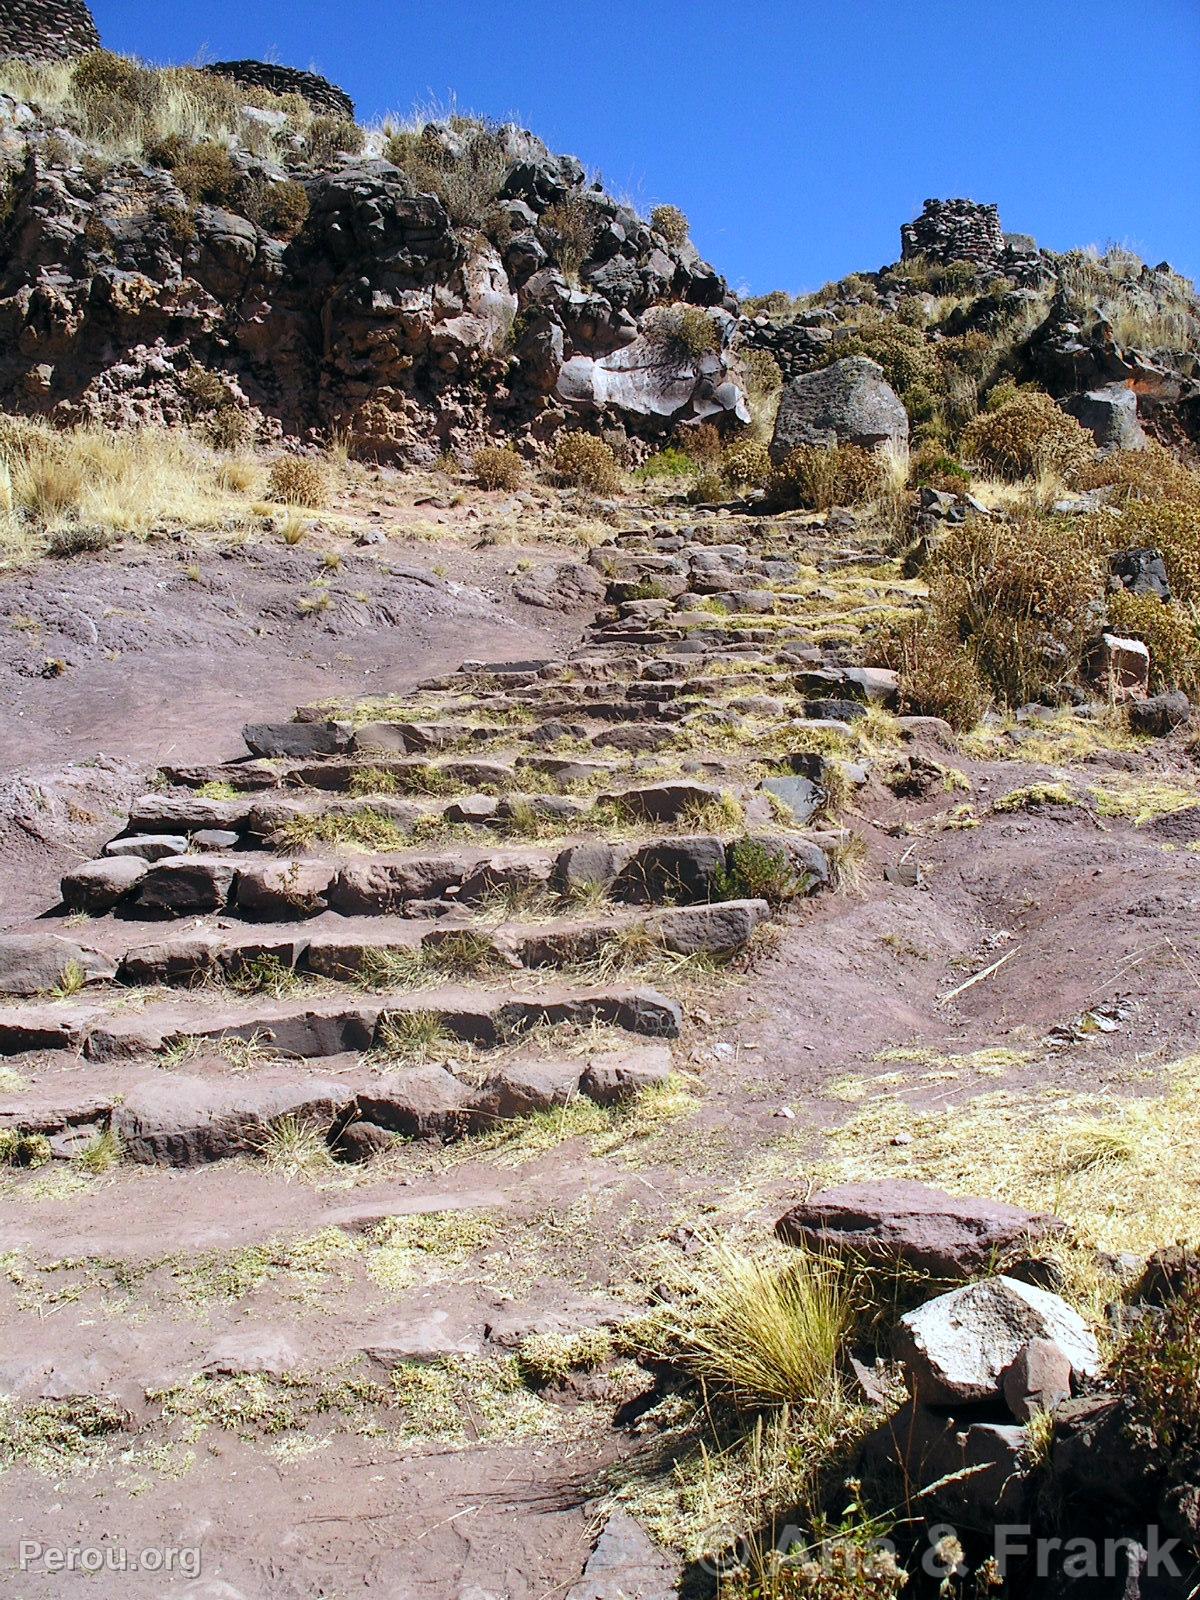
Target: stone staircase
[(427, 914)]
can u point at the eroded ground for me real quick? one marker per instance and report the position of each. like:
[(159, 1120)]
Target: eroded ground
[(326, 1374)]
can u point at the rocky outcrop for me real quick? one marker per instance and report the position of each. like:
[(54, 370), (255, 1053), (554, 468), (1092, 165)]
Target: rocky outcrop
[(380, 317), (324, 97), (924, 1229)]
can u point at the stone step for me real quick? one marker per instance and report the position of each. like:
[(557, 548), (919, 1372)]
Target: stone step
[(304, 1028), (204, 1112), (374, 952), (415, 881)]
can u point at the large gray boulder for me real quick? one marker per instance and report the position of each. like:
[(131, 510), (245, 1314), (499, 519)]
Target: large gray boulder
[(1110, 415), (957, 1348), (850, 402)]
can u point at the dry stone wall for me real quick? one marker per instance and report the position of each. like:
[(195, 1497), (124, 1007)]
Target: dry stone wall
[(322, 96), (46, 29), (954, 230)]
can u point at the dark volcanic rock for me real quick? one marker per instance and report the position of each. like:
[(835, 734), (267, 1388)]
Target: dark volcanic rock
[(899, 1220)]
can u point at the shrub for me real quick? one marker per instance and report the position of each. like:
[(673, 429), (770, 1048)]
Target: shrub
[(700, 441), (901, 351), (1023, 596), (1149, 474), (709, 489), (207, 390), (671, 224), (230, 430), (498, 467), (816, 477), (464, 166), (1159, 1368), (23, 1149), (205, 172), (569, 228), (329, 137), (747, 463), (282, 209), (682, 336), (1026, 435), (295, 480), (931, 467), (1172, 526), (757, 870), (581, 461), (939, 676), (86, 539), (1168, 629)]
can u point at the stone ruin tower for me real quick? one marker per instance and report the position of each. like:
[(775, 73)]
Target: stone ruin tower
[(954, 230), (46, 30)]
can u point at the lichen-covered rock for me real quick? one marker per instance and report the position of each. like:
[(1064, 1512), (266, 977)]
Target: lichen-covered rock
[(850, 402)]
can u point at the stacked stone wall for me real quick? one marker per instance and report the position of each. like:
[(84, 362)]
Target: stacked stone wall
[(324, 97), (954, 230), (46, 30)]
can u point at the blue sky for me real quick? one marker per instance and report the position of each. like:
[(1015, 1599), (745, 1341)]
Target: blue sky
[(796, 134)]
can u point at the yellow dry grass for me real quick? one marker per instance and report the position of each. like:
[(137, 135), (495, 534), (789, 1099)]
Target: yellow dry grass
[(126, 483)]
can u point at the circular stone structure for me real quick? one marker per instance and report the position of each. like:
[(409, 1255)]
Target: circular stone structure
[(324, 97), (46, 30)]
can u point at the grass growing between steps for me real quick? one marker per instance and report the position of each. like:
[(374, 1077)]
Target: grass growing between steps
[(610, 1129)]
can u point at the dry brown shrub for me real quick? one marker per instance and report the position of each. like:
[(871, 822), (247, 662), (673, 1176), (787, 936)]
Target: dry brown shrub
[(1167, 628), (1027, 435), (747, 463), (939, 676), (671, 223), (297, 481), (498, 467), (1149, 474), (816, 477), (581, 461)]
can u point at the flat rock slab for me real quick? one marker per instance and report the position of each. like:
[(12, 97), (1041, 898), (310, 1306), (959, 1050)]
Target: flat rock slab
[(626, 1564), (36, 963), (945, 1235)]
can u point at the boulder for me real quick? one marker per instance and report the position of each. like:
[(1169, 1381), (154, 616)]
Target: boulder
[(627, 1564), (148, 846), (718, 929), (560, 586), (957, 1347), (849, 402), (1141, 572), (35, 963), (802, 797), (1110, 415), (1037, 1379), (371, 887), (184, 886), (520, 1088), (681, 870), (422, 1102), (665, 802), (581, 866), (978, 1474), (1161, 714), (925, 1229), (1125, 666), (281, 890), (619, 1075), (96, 886), (179, 1120), (297, 739)]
